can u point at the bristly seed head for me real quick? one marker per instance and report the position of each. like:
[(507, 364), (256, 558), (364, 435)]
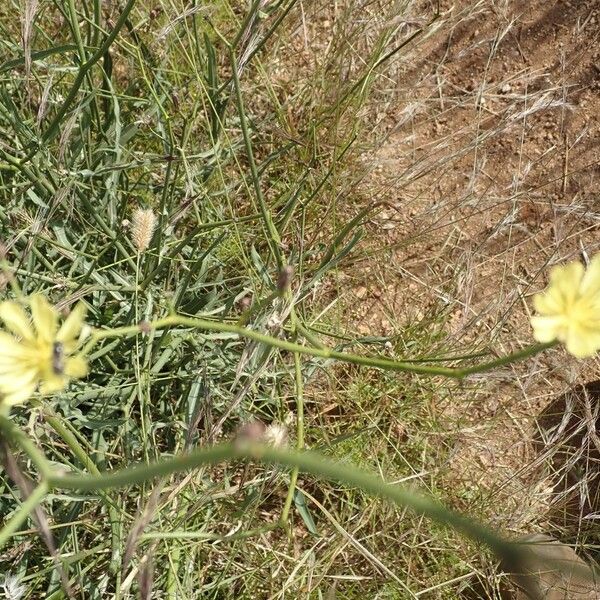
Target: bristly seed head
[(12, 588), (276, 435), (142, 228)]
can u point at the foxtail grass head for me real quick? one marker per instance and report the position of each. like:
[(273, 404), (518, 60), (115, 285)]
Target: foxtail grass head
[(569, 309), (142, 228), (35, 353)]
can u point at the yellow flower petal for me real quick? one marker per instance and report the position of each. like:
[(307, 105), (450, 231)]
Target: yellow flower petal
[(16, 320), (11, 381), (28, 360), (53, 383), (546, 329), (18, 396), (565, 281), (10, 346), (547, 303), (45, 317), (9, 365), (73, 323), (590, 284), (76, 367), (582, 343), (569, 309)]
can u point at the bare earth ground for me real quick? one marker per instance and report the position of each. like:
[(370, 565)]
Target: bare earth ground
[(496, 127)]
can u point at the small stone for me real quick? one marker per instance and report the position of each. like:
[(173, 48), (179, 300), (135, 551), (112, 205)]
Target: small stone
[(360, 292), (571, 577)]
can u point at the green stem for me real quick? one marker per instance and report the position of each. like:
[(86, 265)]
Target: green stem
[(23, 512), (246, 24), (75, 28), (213, 537), (314, 340), (82, 56), (505, 360), (263, 40), (15, 434), (327, 353), (299, 440), (71, 441), (299, 428), (69, 438), (272, 235), (97, 23), (310, 462)]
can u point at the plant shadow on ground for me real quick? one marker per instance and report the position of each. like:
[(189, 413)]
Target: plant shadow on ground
[(569, 447), (568, 457)]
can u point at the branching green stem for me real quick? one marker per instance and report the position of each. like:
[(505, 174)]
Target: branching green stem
[(323, 352)]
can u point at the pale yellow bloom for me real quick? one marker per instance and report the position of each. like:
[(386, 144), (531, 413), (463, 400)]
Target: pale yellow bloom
[(569, 309), (36, 352)]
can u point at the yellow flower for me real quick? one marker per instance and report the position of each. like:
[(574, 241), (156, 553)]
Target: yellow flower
[(569, 309), (38, 353)]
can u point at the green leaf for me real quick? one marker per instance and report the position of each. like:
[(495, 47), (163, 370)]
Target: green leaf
[(302, 508)]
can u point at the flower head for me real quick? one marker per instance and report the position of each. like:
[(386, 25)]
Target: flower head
[(13, 590), (276, 435), (37, 352), (569, 309), (142, 228)]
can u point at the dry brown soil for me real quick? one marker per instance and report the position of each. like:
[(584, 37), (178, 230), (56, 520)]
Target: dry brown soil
[(488, 171), (496, 129)]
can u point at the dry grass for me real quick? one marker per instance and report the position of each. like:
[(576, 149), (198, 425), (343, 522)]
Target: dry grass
[(470, 152)]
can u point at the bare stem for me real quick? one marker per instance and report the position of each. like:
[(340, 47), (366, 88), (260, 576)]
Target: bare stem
[(310, 462)]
